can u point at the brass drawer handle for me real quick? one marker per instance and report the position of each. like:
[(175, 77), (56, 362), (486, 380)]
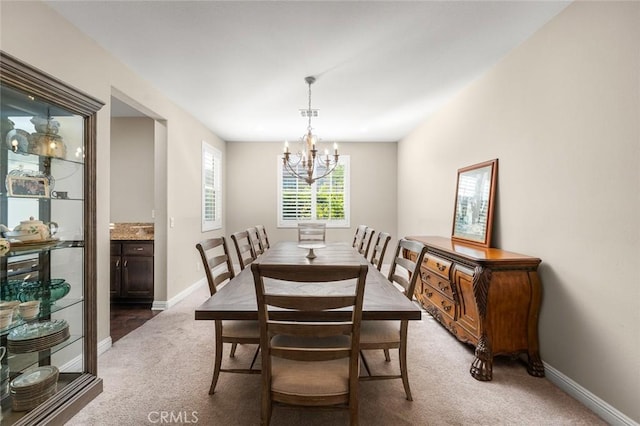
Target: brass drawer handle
[(441, 268), (445, 307), (429, 293), (443, 287)]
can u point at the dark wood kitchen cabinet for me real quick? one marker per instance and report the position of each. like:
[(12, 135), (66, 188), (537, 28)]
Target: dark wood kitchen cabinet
[(132, 271)]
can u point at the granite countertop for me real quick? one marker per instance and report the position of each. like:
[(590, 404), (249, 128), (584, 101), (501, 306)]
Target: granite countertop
[(131, 231)]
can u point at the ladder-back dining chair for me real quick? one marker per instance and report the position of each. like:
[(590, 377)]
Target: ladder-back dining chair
[(358, 237), (218, 268), (254, 239), (309, 363), (312, 232), (262, 233), (244, 249), (366, 242), (379, 249), (386, 335)]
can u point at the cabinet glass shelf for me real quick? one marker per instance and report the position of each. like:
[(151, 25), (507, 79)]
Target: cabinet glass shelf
[(46, 309), (34, 250), (35, 159), (24, 361)]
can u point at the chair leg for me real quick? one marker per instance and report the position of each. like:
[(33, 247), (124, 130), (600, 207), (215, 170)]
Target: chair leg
[(353, 410), (386, 355), (364, 362), (233, 350), (403, 369), (217, 365), (255, 356), (218, 361), (266, 409)]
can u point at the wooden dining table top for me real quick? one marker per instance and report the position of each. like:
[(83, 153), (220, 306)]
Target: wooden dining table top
[(236, 300)]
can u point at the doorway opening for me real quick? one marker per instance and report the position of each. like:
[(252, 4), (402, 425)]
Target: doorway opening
[(136, 248)]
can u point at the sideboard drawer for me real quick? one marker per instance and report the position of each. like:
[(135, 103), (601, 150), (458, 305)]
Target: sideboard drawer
[(437, 265), (439, 283), (444, 304)]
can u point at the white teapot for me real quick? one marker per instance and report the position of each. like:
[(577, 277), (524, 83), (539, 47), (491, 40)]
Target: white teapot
[(34, 230)]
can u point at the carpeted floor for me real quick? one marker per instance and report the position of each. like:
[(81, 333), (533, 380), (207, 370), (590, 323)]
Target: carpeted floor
[(160, 374)]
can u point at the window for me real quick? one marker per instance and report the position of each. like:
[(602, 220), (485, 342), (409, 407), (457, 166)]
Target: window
[(211, 188), (326, 200)]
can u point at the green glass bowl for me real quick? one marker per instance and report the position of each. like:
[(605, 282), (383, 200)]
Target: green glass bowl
[(10, 290), (49, 292)]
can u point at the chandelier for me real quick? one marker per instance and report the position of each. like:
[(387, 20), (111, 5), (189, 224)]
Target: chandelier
[(306, 164)]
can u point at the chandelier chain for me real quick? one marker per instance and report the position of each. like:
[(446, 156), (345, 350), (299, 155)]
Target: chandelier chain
[(309, 109)]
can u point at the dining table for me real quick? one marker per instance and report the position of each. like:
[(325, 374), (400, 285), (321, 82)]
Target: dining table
[(236, 300)]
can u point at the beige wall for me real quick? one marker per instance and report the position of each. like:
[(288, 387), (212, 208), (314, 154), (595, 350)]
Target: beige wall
[(58, 48), (252, 188), (561, 114), (132, 169)]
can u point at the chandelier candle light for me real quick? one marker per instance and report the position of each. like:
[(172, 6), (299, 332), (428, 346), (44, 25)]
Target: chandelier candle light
[(308, 156)]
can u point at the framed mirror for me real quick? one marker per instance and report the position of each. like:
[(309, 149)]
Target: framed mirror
[(475, 196)]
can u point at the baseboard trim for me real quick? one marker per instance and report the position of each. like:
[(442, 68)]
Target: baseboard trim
[(104, 345), (608, 413), (75, 364), (161, 305)]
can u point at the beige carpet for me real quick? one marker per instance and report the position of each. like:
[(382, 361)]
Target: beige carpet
[(163, 369)]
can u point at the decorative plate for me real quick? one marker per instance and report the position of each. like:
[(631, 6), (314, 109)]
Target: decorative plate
[(37, 330), (35, 377)]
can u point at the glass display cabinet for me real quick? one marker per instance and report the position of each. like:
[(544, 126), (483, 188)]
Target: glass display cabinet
[(48, 341)]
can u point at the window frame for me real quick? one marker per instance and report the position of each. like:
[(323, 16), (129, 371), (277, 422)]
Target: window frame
[(209, 151), (345, 161)]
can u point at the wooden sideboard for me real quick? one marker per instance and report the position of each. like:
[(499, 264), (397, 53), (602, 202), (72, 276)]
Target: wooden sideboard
[(486, 297)]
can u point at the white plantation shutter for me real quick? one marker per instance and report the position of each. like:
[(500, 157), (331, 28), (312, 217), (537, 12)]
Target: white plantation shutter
[(326, 200), (295, 199), (211, 188)]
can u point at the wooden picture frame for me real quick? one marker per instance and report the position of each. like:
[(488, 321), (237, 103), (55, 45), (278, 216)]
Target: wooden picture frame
[(28, 186), (474, 202)]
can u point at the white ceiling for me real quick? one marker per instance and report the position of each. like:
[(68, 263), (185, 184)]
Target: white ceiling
[(238, 66)]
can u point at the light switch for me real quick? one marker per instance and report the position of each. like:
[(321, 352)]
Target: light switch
[(172, 222)]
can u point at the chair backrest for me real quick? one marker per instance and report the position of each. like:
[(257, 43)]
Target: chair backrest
[(254, 239), (214, 254), (262, 233), (405, 252), (244, 250), (314, 340), (312, 232), (366, 242), (358, 237), (379, 249)]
